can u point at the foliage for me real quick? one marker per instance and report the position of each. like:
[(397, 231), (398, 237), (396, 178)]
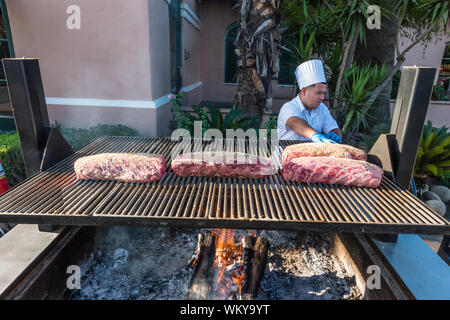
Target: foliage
[(358, 85), (176, 98), (371, 137), (395, 84), (235, 119), (78, 138), (439, 92), (12, 158), (269, 125), (433, 156), (327, 30)]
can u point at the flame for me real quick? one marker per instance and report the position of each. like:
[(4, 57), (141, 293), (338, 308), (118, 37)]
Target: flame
[(225, 250), (239, 279)]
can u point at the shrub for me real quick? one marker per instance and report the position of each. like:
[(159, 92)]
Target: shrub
[(235, 119), (78, 138), (12, 158), (269, 125), (433, 156)]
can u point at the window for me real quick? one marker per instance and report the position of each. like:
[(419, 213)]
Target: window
[(442, 88), (231, 67), (6, 46), (286, 76)]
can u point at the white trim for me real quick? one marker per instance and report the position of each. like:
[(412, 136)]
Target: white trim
[(190, 16), (143, 104), (109, 103), (185, 6), (192, 86)]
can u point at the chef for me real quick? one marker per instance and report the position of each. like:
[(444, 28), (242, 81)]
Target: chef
[(305, 117)]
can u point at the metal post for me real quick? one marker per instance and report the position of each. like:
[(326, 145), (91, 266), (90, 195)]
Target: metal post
[(29, 108), (413, 97)]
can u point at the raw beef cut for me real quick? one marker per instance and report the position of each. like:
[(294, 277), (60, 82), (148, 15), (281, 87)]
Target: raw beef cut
[(311, 149), (125, 167), (222, 164), (333, 171)]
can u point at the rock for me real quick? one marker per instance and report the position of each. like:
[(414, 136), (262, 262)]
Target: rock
[(442, 191), (430, 196), (437, 206)]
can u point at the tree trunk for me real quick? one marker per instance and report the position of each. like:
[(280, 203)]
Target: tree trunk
[(258, 51), (380, 49)]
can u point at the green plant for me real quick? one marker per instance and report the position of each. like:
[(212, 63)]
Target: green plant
[(433, 155), (439, 92), (176, 98), (395, 84), (359, 81), (12, 158), (269, 125), (235, 119)]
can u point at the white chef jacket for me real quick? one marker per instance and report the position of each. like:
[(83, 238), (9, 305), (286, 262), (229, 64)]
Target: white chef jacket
[(319, 119)]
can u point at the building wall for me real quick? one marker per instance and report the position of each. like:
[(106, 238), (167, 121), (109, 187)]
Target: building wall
[(216, 17), (192, 45), (112, 58), (438, 113), (120, 59)]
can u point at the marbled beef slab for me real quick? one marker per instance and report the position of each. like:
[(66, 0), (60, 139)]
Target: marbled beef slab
[(125, 167), (333, 171), (319, 149), (222, 164)]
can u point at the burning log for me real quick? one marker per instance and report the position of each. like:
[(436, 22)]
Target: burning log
[(201, 283), (254, 257), (225, 269)]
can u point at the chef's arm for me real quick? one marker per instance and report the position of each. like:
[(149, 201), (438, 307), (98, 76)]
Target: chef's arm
[(301, 127), (337, 131)]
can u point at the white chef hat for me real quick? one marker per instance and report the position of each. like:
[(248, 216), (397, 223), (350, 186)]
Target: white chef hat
[(309, 73)]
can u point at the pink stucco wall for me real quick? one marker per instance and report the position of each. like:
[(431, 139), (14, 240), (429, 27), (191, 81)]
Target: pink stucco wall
[(93, 62), (217, 17), (191, 59), (121, 52), (438, 113), (427, 54)]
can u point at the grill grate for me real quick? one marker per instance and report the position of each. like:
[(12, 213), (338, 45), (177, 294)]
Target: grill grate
[(55, 196)]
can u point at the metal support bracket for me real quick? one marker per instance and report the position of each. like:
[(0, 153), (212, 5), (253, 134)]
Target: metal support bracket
[(42, 146)]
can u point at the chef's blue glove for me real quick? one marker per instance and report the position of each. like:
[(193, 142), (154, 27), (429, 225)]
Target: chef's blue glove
[(318, 137), (334, 136)]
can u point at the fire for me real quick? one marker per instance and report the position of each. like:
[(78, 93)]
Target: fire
[(228, 265), (228, 257)]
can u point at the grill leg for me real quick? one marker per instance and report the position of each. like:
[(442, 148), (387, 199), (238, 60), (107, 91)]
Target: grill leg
[(386, 237)]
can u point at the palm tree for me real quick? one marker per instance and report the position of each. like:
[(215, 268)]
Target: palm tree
[(258, 51)]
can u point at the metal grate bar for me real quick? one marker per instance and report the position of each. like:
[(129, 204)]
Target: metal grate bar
[(56, 196)]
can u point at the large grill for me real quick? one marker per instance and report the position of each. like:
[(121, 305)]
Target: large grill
[(55, 196)]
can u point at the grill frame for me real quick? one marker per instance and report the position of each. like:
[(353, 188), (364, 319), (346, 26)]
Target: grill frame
[(280, 205)]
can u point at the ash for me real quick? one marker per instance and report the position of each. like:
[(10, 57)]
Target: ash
[(144, 263), (301, 266)]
